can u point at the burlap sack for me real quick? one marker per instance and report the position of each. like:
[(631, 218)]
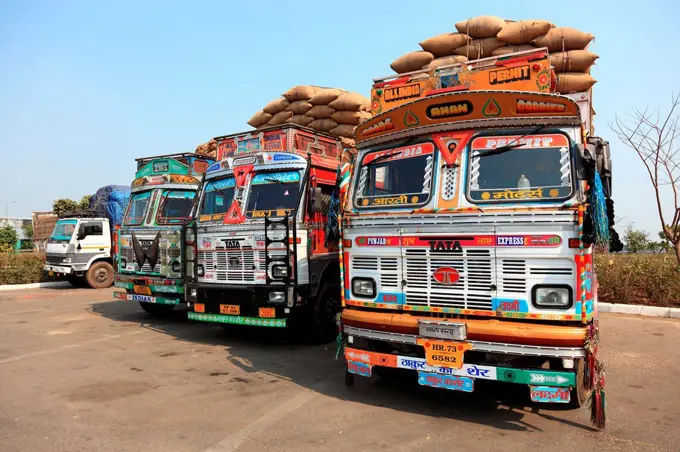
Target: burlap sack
[(259, 119), (352, 118), (570, 82), (523, 31), (563, 38), (299, 107), (323, 125), (325, 96), (280, 118), (276, 106), (481, 26), (480, 48), (343, 130), (212, 145), (349, 101), (511, 49), (347, 143), (320, 112), (301, 120), (411, 61), (444, 44), (366, 108), (300, 92), (445, 61), (572, 61), (202, 149)]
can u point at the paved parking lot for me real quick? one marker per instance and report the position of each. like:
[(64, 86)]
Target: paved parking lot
[(83, 372)]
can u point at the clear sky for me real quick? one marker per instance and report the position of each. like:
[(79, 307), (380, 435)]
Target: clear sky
[(86, 87)]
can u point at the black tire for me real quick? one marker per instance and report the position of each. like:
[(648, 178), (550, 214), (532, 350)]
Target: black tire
[(321, 325), (76, 281), (579, 395), (100, 275), (349, 379), (159, 310)]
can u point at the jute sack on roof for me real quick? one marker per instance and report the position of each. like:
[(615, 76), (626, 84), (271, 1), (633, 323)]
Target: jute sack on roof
[(300, 92), (570, 82), (343, 130), (280, 118), (259, 119), (352, 118), (411, 61), (320, 112), (212, 145), (445, 61), (299, 107), (350, 101), (511, 49), (444, 44), (481, 26), (202, 148), (276, 106), (572, 61), (348, 142), (323, 125), (523, 31), (325, 96), (480, 48), (563, 38), (301, 120)]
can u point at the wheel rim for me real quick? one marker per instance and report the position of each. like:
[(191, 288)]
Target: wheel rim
[(101, 275)]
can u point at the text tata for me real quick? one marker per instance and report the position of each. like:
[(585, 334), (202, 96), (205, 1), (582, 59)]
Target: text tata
[(533, 142)]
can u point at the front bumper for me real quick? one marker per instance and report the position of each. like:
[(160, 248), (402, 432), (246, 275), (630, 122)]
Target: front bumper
[(147, 289), (66, 270), (145, 298)]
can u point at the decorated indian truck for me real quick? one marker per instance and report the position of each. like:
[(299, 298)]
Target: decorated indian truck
[(258, 253), (468, 227), (151, 238)]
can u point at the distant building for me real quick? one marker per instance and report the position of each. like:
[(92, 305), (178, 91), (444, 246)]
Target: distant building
[(18, 224)]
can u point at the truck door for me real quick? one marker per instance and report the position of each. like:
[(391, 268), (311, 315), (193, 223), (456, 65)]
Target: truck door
[(93, 239)]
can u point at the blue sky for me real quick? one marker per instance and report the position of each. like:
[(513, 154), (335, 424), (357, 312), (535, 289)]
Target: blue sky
[(86, 87)]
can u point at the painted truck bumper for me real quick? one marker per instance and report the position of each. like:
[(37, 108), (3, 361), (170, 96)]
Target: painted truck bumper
[(149, 290)]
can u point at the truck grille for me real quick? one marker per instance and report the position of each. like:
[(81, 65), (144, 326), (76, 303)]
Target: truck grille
[(472, 291), (129, 255), (387, 266), (54, 259), (231, 265)]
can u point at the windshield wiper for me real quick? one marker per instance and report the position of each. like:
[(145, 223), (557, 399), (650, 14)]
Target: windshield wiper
[(510, 146)]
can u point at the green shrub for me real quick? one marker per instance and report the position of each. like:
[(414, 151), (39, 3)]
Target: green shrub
[(22, 268)]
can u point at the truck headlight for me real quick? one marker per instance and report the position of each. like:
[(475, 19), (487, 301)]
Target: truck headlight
[(280, 271), (363, 287), (556, 297), (66, 260), (199, 270), (277, 297)]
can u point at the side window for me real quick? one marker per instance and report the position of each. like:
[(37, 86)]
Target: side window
[(91, 229)]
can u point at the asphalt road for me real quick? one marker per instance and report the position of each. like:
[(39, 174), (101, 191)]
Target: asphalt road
[(82, 372)]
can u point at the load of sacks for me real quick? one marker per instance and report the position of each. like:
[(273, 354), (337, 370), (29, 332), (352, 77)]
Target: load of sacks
[(331, 110), (208, 149), (487, 36)]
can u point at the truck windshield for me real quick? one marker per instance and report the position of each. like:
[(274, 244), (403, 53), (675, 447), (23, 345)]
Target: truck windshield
[(137, 208), (63, 230), (273, 193), (395, 177), (175, 206), (528, 168), (217, 198)]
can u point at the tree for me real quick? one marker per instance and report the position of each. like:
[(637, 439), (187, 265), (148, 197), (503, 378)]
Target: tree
[(62, 205), (635, 239), (652, 135), (8, 237), (84, 202), (28, 231), (664, 244)]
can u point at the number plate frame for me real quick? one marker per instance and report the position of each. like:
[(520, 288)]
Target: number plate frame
[(444, 353), (141, 290), (230, 309)]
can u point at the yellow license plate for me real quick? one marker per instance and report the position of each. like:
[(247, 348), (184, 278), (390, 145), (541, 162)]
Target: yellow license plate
[(230, 309), (199, 307), (444, 353), (141, 290), (268, 312)]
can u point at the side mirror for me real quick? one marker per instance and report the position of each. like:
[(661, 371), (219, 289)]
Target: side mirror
[(586, 161), (315, 201)]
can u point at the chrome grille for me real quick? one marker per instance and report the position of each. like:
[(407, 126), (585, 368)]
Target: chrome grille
[(472, 291), (387, 266), (54, 259), (231, 265)]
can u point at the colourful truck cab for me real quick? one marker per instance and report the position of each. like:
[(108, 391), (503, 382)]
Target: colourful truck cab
[(467, 242), (150, 267)]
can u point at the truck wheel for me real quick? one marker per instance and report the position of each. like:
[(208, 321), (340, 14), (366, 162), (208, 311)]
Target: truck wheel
[(159, 310), (76, 281), (321, 325), (100, 275), (579, 394)]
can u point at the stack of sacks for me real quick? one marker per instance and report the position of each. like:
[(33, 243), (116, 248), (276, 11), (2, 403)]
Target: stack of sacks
[(208, 149), (329, 110), (486, 36)]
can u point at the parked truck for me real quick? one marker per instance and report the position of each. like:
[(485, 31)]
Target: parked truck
[(80, 246), (468, 230), (258, 253), (151, 238)]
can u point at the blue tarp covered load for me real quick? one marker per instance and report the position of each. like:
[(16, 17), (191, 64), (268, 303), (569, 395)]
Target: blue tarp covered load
[(110, 202)]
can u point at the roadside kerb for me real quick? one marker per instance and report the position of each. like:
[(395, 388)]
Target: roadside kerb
[(42, 285)]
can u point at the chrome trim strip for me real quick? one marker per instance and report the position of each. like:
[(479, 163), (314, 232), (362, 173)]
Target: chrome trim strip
[(491, 347)]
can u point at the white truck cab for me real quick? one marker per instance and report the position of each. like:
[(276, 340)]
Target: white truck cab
[(80, 248)]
